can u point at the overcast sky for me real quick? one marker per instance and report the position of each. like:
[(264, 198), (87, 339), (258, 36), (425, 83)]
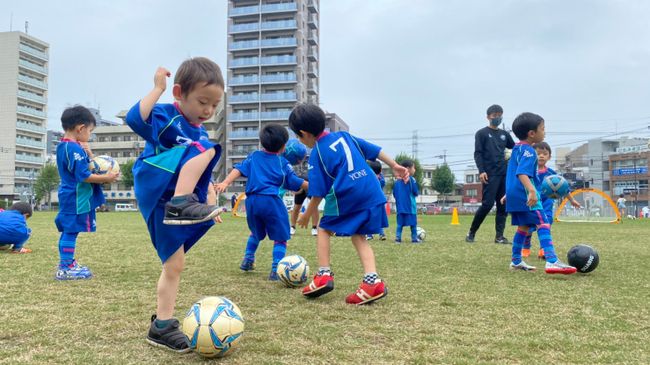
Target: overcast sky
[(387, 67)]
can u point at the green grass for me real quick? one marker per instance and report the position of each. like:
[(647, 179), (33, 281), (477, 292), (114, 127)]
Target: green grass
[(449, 302)]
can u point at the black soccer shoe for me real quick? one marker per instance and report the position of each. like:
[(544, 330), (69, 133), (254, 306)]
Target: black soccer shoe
[(502, 240), (170, 337), (469, 238), (189, 211)]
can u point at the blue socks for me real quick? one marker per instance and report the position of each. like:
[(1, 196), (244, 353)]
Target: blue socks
[(546, 242), (279, 251), (67, 244), (518, 245), (398, 232), (414, 233), (251, 247)]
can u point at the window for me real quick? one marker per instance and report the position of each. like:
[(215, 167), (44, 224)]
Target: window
[(115, 139), (469, 179), (127, 138)]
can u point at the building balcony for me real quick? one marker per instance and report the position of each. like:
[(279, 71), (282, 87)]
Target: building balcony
[(312, 54), (280, 24), (244, 62), (240, 152), (117, 146), (244, 98), (244, 134), (243, 11), (244, 28), (256, 116), (31, 96), (29, 159), (278, 60), (243, 80), (30, 127), (32, 81), (27, 174), (32, 66), (278, 78), (279, 42), (312, 70), (279, 96), (30, 111), (241, 45), (34, 52), (26, 142), (312, 37), (279, 8), (312, 87), (312, 6), (275, 115), (312, 21)]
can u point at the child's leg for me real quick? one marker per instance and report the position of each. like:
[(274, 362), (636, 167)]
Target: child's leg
[(191, 172), (314, 219), (414, 233), (546, 242), (295, 212), (279, 251), (398, 232), (67, 245), (19, 247), (323, 250), (366, 255), (251, 248), (372, 288), (168, 285), (518, 244)]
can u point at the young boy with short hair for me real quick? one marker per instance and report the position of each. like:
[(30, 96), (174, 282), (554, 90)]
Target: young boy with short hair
[(543, 151), (405, 193), (523, 200), (14, 232), (172, 179), (268, 173), (376, 168), (354, 201), (80, 191)]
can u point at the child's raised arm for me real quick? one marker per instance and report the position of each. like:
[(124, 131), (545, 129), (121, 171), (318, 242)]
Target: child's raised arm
[(222, 186), (159, 85), (400, 171)]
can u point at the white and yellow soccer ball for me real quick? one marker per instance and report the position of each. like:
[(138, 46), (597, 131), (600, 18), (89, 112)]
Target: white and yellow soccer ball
[(214, 326), (293, 270), (422, 234), (104, 164)]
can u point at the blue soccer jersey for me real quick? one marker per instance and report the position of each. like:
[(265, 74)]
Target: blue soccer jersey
[(405, 194), (382, 180), (523, 161), (13, 227), (268, 173), (75, 195), (547, 203), (338, 172)]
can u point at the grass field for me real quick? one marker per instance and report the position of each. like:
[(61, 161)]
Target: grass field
[(450, 302)]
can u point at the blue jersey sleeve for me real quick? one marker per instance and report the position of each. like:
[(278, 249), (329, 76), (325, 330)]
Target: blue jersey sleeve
[(139, 126), (527, 164), (244, 167), (370, 151), (414, 187), (291, 181), (77, 162), (320, 183)]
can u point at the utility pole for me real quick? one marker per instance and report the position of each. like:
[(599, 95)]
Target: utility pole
[(443, 156), (414, 144)]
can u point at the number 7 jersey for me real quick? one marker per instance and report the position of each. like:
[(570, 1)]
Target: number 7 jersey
[(338, 172)]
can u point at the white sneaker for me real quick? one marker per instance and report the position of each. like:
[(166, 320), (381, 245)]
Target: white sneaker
[(558, 267), (314, 232), (292, 231), (522, 266)]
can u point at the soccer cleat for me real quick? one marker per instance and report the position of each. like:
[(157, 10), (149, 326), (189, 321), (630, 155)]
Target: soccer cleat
[(22, 250), (382, 237), (322, 284), (73, 272), (416, 241), (367, 293), (398, 241), (502, 240), (525, 252), (369, 237), (470, 237), (540, 254), (314, 232), (169, 337), (247, 265), (292, 230), (4, 247), (522, 266), (190, 211), (558, 267), (273, 276)]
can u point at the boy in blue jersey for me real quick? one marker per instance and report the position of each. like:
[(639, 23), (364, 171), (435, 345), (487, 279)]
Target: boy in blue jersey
[(354, 201), (543, 151), (523, 200), (14, 232), (80, 191), (268, 173), (405, 193), (376, 168), (172, 179)]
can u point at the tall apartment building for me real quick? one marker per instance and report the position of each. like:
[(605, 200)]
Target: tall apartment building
[(23, 111), (272, 65)]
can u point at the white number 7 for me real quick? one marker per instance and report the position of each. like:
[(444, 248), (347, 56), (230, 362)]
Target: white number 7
[(346, 149)]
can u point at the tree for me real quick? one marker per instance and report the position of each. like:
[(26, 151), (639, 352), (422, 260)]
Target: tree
[(442, 181), (126, 170), (419, 176), (47, 181)]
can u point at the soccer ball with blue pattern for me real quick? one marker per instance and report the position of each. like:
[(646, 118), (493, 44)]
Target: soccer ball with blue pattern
[(293, 271), (422, 234), (214, 326), (555, 187), (103, 164), (294, 151)]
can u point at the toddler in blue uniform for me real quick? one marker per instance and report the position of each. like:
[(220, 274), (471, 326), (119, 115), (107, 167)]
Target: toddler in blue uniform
[(14, 232), (376, 168), (405, 193), (354, 201), (268, 175)]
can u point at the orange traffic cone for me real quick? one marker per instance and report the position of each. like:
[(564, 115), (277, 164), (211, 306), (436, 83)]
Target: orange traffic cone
[(454, 217)]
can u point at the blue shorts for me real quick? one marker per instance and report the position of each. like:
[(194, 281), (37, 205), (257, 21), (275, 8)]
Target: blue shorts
[(72, 223), (531, 218), (368, 221), (267, 215), (407, 219)]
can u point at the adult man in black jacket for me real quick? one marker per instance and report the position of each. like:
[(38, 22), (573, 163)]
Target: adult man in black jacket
[(489, 146)]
